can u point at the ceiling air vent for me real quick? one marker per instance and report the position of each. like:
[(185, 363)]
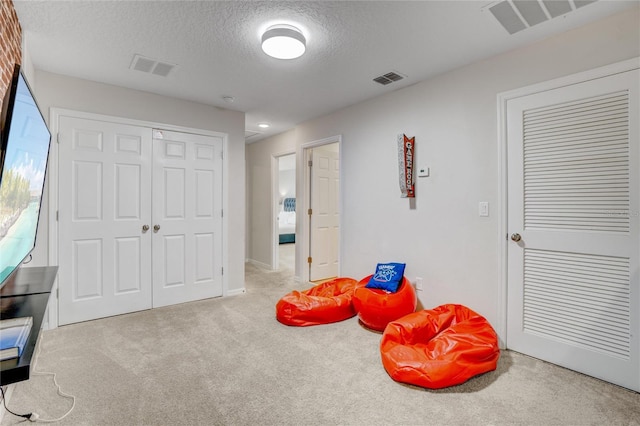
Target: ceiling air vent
[(148, 65), (517, 15), (388, 78), (249, 134)]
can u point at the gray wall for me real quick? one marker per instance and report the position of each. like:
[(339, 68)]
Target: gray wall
[(454, 119), (53, 90), (260, 217)]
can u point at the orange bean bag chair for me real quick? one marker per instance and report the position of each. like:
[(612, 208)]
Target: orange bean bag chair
[(439, 347), (322, 304), (376, 308)]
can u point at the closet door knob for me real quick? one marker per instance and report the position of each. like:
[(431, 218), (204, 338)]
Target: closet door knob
[(516, 237), (156, 228), (145, 228)]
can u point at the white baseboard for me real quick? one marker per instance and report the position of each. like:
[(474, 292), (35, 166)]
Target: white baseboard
[(236, 291), (259, 264)]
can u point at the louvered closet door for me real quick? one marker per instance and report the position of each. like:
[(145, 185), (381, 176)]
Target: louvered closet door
[(573, 278)]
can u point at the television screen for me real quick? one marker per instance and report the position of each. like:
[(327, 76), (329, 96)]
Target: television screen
[(23, 163)]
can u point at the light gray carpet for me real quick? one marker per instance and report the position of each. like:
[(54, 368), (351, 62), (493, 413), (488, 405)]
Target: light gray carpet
[(287, 256), (229, 362)]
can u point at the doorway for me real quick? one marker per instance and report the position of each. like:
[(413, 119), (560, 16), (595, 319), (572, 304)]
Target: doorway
[(285, 202)]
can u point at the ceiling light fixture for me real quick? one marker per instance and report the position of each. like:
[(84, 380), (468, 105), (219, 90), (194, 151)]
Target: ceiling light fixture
[(283, 42), (264, 125)]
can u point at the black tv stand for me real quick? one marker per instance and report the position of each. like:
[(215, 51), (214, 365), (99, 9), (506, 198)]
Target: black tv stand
[(25, 294)]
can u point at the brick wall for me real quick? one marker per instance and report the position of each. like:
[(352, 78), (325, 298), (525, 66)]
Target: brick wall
[(10, 44)]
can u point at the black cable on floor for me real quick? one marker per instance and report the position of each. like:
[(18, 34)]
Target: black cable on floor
[(4, 402)]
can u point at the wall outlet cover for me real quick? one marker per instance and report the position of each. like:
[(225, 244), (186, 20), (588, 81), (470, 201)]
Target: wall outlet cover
[(483, 208)]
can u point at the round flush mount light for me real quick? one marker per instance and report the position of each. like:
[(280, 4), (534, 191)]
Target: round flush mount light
[(283, 42), (264, 125)]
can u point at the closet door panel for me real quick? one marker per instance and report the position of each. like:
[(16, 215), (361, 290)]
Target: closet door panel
[(187, 217), (104, 202)]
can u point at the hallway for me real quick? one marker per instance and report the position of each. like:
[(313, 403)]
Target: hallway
[(257, 278), (287, 258)]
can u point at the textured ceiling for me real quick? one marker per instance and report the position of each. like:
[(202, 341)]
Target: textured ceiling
[(216, 46)]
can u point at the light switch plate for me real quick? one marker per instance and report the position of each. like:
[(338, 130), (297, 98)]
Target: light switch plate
[(423, 171), (483, 208)]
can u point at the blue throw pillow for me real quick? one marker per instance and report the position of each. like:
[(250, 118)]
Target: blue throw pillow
[(388, 277)]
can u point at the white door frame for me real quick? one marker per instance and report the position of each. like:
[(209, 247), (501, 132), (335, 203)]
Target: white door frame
[(52, 182), (303, 224), (503, 98), (275, 206)]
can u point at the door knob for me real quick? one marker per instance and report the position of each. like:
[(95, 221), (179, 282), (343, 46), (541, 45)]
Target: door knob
[(145, 228), (516, 237), (156, 228)]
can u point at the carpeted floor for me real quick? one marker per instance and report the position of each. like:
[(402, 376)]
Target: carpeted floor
[(287, 256), (229, 362)]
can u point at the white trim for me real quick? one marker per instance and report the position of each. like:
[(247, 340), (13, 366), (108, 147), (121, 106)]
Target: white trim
[(52, 176), (236, 292), (259, 264), (302, 226), (57, 112), (607, 70), (52, 252), (275, 181), (502, 224), (502, 99)]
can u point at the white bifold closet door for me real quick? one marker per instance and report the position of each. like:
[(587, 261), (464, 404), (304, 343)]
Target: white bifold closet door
[(187, 217), (139, 218), (574, 227)]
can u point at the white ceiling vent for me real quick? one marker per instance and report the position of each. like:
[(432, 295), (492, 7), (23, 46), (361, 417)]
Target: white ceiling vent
[(148, 65), (517, 15), (389, 77)]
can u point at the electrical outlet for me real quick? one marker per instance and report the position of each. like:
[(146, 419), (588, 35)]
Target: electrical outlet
[(419, 283)]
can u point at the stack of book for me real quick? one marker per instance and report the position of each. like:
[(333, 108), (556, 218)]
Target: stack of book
[(14, 333)]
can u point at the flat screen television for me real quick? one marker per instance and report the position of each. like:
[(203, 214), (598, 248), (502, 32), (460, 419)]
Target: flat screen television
[(24, 150)]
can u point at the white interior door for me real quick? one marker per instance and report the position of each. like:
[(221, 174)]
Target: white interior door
[(104, 199), (574, 201), (187, 217), (325, 217)]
